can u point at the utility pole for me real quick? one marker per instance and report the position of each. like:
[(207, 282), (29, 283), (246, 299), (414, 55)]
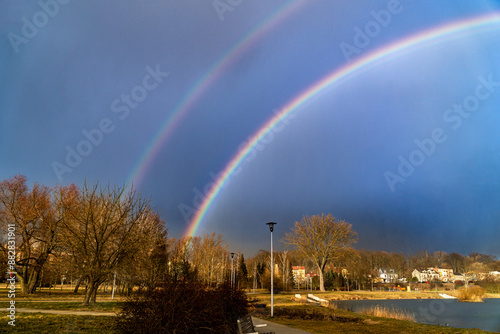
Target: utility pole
[(271, 227)]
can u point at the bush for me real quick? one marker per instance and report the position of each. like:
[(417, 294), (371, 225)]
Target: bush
[(182, 307), (472, 294)]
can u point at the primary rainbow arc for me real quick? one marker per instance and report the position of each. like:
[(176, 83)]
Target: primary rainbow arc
[(426, 38)]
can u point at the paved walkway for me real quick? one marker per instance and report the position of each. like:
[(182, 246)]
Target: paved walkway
[(277, 328)]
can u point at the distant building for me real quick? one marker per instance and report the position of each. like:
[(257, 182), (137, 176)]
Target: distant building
[(425, 275), (387, 275), (495, 273), (481, 275), (445, 275), (311, 275), (458, 277), (299, 274)]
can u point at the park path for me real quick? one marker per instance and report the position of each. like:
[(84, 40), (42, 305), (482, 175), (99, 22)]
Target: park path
[(276, 328)]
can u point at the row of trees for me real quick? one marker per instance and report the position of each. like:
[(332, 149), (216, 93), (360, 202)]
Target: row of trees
[(90, 232), (98, 233), (355, 268), (324, 245)]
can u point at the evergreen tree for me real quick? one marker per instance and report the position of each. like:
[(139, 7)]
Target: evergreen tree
[(243, 273)]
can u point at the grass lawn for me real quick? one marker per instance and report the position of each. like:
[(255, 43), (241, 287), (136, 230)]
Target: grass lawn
[(53, 323), (74, 306), (56, 294)]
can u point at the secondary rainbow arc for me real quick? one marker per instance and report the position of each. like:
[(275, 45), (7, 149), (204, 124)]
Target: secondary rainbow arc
[(450, 31), (185, 105)]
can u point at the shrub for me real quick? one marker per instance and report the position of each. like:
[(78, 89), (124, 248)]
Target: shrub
[(183, 307), (472, 294)]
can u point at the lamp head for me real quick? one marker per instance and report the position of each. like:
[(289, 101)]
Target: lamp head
[(271, 225), (232, 255)]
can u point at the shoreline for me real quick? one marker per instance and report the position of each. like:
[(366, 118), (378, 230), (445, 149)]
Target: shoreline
[(388, 295)]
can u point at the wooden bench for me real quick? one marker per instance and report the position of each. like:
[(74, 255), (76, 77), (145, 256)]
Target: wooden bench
[(246, 326)]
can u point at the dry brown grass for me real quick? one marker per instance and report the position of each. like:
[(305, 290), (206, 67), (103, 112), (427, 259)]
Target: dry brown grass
[(393, 313), (472, 294)]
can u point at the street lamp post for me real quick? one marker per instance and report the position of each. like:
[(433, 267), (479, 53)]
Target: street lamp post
[(271, 227), (232, 274)]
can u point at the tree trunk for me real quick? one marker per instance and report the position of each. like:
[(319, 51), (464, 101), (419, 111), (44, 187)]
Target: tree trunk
[(321, 277), (24, 288), (94, 294), (90, 294), (321, 281), (77, 286), (33, 281)]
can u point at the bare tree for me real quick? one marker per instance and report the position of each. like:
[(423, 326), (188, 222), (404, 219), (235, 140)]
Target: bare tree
[(149, 267), (205, 255), (457, 262), (440, 257), (285, 267), (321, 238), (105, 229), (37, 218)]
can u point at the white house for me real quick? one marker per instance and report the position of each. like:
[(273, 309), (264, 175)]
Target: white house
[(425, 275), (387, 275)]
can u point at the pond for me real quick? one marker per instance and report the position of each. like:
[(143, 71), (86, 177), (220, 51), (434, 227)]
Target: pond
[(485, 316)]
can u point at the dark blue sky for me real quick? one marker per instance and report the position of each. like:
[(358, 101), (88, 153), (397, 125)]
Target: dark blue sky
[(67, 67)]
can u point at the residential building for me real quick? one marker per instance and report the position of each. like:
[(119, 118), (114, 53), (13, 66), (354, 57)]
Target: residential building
[(387, 275), (425, 275), (299, 274), (445, 275), (481, 275), (495, 273)]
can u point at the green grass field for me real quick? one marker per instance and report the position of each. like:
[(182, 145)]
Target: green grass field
[(53, 323)]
